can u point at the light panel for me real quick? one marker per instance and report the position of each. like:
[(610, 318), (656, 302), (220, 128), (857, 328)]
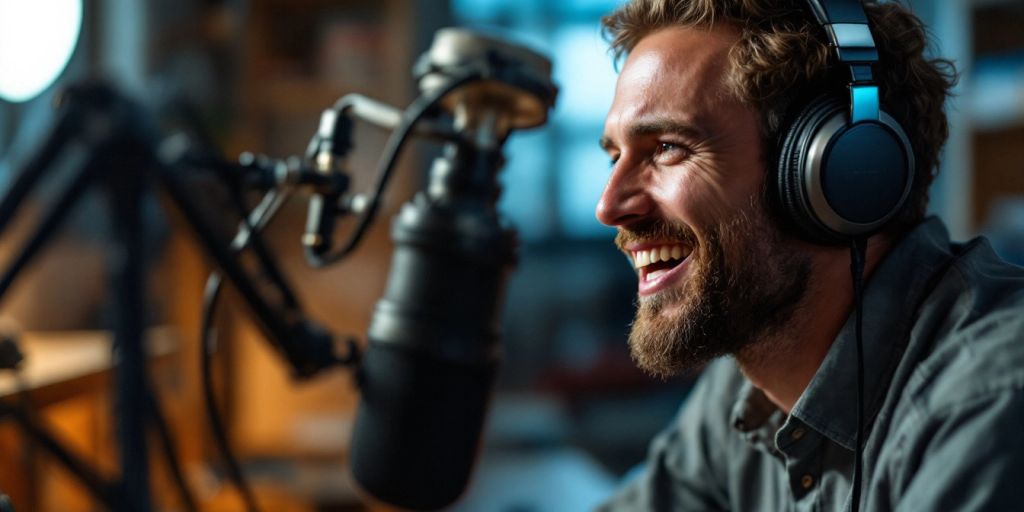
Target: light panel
[(37, 38)]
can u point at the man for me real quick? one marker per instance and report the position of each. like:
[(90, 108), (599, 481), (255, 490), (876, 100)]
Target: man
[(704, 93)]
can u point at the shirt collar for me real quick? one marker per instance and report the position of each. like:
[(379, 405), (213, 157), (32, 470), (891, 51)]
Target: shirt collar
[(892, 295), (756, 418)]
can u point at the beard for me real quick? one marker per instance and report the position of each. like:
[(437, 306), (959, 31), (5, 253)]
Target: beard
[(744, 285)]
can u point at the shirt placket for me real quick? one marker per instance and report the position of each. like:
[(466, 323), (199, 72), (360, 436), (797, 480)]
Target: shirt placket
[(800, 447)]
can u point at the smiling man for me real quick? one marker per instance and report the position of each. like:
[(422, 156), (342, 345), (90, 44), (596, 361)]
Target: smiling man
[(712, 95), (714, 271)]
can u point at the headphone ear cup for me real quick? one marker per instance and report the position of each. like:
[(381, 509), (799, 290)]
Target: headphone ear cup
[(837, 180), (790, 182)]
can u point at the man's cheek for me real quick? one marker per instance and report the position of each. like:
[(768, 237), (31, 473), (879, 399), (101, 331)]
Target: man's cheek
[(704, 197)]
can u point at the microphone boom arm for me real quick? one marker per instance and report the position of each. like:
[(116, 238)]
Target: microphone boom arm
[(119, 154)]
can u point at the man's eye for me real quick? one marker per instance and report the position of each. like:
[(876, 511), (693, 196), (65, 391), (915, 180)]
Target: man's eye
[(665, 147), (613, 158), (669, 153)]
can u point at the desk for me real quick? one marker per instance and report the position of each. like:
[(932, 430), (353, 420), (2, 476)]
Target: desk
[(67, 377), (64, 364)]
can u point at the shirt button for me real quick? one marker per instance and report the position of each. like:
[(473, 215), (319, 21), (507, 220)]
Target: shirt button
[(807, 481), (797, 433)]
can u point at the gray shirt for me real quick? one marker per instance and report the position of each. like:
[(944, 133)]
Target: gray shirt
[(944, 404)]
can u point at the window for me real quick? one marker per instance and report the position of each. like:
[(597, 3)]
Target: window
[(555, 174)]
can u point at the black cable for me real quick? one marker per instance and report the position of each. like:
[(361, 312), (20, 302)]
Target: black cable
[(169, 447), (858, 250), (251, 223), (255, 242), (386, 165), (220, 437)]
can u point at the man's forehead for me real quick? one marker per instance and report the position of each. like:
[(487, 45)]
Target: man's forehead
[(681, 49), (676, 72)]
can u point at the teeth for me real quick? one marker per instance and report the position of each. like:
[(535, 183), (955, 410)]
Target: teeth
[(656, 254), (654, 275)]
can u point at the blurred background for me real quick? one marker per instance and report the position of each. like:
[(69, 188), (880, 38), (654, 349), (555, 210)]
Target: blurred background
[(571, 415)]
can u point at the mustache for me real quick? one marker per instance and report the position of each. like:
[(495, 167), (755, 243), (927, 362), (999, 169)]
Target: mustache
[(655, 229)]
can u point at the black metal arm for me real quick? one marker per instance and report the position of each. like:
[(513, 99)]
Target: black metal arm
[(120, 144)]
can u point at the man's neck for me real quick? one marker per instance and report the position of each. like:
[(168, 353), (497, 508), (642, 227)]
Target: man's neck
[(783, 364)]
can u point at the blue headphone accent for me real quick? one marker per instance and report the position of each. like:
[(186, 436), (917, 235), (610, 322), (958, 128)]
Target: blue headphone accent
[(845, 167)]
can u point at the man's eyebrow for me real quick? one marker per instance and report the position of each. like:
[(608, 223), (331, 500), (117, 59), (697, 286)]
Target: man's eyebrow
[(658, 126), (645, 128)]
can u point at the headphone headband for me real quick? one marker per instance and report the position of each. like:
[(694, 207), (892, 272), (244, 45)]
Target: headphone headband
[(839, 11), (844, 167), (846, 25)]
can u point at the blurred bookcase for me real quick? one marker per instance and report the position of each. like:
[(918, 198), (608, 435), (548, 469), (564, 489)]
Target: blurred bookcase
[(980, 188), (996, 99)]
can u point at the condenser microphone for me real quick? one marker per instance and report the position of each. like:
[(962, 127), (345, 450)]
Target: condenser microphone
[(434, 348)]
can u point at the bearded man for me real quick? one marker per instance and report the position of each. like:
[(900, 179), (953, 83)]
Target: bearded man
[(704, 103)]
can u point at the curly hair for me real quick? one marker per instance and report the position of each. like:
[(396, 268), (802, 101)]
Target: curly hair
[(782, 56)]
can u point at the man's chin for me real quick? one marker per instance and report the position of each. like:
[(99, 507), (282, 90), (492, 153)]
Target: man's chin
[(661, 340), (664, 361)]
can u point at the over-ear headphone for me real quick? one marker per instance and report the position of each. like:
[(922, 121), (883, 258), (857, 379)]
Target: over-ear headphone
[(845, 167)]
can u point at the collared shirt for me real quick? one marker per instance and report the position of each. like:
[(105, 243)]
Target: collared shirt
[(943, 399)]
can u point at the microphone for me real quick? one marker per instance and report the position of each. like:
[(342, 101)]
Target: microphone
[(434, 346)]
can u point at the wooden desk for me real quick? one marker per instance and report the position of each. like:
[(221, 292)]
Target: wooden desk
[(64, 364), (67, 376)]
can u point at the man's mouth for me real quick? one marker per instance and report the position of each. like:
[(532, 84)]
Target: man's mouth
[(656, 261)]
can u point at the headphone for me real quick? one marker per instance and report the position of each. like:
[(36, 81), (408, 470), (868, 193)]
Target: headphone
[(845, 166)]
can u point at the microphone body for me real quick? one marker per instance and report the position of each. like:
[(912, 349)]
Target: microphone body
[(429, 370), (428, 373)]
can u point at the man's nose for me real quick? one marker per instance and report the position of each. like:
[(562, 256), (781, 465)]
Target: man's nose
[(625, 197)]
